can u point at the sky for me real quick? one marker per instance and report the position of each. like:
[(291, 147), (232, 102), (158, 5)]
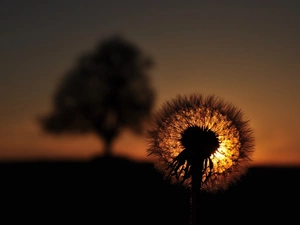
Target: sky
[(247, 52)]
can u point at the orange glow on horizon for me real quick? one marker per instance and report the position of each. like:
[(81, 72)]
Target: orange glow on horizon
[(26, 142), (128, 145)]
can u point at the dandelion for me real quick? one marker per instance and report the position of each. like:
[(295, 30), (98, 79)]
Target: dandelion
[(201, 142)]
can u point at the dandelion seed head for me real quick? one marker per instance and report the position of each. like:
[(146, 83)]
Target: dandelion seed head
[(234, 144)]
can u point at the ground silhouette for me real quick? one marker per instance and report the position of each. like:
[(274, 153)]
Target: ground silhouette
[(112, 190)]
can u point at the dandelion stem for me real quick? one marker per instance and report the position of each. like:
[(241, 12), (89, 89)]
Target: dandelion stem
[(195, 194)]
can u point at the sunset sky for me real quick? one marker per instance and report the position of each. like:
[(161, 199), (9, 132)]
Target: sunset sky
[(247, 52)]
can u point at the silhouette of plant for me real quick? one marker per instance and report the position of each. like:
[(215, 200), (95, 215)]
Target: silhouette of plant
[(201, 142), (107, 90)]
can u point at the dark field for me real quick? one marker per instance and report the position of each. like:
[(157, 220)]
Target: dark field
[(117, 191)]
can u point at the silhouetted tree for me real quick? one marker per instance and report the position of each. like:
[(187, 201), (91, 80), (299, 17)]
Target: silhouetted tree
[(107, 90)]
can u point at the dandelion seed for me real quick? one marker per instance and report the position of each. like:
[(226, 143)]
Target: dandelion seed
[(203, 136)]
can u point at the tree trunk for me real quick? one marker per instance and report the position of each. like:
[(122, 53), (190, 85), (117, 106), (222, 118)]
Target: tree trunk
[(107, 147), (108, 135)]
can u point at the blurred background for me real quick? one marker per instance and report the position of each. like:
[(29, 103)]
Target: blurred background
[(244, 51)]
